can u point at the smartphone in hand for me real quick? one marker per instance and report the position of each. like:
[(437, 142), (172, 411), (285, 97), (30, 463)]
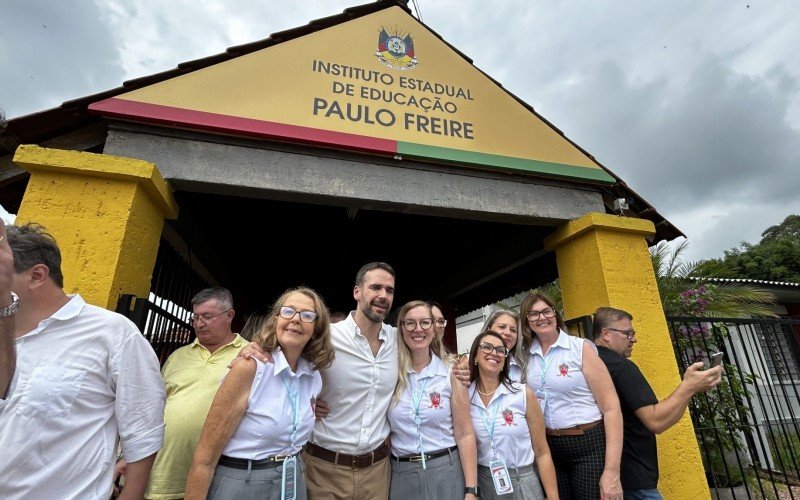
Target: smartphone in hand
[(716, 359)]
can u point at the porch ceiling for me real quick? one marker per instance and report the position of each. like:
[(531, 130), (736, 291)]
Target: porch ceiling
[(257, 248)]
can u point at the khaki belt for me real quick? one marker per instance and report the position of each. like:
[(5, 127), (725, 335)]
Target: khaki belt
[(578, 430), (355, 461)]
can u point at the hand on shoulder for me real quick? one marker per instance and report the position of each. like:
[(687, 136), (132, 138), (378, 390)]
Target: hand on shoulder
[(252, 350)]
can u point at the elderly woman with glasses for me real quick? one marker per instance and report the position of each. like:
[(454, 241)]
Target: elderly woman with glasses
[(509, 427), (433, 443), (263, 414), (580, 405)]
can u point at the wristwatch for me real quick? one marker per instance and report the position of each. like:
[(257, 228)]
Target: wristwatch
[(10, 309), (472, 489)]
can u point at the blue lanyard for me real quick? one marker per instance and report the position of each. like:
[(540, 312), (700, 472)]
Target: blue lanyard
[(545, 368), (490, 428), (294, 399), (416, 399)]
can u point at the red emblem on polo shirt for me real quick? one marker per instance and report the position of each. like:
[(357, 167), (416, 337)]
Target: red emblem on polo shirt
[(436, 400), (563, 370), (508, 417)]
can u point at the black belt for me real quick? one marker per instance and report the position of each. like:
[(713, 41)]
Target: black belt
[(428, 456), (355, 461), (245, 464)]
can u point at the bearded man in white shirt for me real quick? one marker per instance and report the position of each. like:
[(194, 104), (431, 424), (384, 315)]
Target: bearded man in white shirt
[(347, 456), (84, 377)]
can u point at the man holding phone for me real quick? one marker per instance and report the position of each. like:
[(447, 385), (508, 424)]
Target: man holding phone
[(643, 414)]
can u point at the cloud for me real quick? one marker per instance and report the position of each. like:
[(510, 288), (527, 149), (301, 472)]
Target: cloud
[(724, 224), (53, 51), (695, 105), (717, 154)]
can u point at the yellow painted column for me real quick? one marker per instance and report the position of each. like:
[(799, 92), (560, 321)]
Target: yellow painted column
[(603, 260), (106, 214)]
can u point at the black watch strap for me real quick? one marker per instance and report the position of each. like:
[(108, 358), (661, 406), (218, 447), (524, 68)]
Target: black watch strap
[(472, 489)]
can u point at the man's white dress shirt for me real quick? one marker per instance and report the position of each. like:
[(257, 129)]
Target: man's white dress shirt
[(84, 376), (358, 388)]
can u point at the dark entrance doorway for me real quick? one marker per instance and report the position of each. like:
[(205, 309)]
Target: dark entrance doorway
[(259, 247)]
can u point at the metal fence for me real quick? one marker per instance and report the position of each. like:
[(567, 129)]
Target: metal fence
[(748, 428), (163, 316)]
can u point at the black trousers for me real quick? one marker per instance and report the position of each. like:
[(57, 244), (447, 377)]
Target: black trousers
[(579, 462)]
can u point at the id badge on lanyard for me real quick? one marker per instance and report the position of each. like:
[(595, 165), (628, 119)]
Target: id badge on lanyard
[(497, 466), (541, 394), (500, 477), (289, 479), (416, 399), (289, 476)]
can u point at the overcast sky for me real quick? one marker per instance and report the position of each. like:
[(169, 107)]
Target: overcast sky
[(695, 104)]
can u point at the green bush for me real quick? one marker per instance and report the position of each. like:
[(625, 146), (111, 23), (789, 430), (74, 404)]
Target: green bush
[(785, 449)]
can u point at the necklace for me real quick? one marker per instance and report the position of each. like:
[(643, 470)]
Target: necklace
[(486, 393)]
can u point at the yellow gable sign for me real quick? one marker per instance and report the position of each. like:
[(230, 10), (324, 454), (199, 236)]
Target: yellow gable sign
[(381, 83)]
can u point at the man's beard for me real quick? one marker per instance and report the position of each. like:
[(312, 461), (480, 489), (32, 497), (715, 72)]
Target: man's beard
[(372, 315)]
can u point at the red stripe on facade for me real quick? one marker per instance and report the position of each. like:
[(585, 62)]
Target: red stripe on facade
[(168, 115)]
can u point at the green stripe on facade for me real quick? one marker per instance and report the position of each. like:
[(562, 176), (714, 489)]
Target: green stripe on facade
[(508, 162)]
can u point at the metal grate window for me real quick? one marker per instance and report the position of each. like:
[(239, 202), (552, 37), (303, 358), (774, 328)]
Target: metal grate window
[(780, 360)]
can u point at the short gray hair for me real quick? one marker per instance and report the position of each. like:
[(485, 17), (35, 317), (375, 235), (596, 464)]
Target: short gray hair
[(223, 296)]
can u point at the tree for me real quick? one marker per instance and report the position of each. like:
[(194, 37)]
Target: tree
[(685, 292), (682, 292), (775, 258)]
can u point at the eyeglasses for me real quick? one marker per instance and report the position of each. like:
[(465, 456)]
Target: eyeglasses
[(488, 348), (441, 323), (547, 312), (410, 325), (628, 333), (287, 312), (207, 317)]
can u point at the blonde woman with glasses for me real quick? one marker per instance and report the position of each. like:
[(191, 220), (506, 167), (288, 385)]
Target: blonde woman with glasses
[(263, 414), (506, 324), (433, 443)]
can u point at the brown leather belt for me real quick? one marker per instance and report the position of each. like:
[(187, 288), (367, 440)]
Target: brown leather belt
[(355, 461), (578, 430)]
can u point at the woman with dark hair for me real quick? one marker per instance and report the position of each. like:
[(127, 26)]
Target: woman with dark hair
[(580, 405), (262, 414), (509, 427), (433, 443)]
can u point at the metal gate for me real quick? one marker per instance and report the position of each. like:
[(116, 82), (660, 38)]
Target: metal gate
[(748, 428), (163, 316)]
